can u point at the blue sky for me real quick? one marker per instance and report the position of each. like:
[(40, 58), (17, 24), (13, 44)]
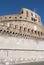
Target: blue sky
[(13, 6)]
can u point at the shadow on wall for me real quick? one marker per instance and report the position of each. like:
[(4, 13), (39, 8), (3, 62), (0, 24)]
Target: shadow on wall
[(33, 63)]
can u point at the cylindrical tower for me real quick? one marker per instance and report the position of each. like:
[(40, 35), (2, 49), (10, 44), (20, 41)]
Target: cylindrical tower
[(21, 38)]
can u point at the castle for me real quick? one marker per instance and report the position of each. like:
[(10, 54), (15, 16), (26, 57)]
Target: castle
[(21, 38)]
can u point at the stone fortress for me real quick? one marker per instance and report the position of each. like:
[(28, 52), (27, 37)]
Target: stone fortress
[(26, 23), (21, 38)]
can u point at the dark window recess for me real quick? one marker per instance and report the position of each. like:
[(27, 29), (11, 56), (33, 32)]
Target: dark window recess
[(38, 33), (28, 30), (4, 31), (35, 32), (25, 35), (20, 27), (24, 29), (41, 33), (31, 31), (0, 30), (27, 13), (31, 14), (22, 12), (9, 17), (10, 32), (15, 17), (33, 19), (7, 31), (20, 16), (13, 32)]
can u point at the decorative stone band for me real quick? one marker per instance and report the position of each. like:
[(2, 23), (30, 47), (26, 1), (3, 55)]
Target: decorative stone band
[(21, 50), (25, 33)]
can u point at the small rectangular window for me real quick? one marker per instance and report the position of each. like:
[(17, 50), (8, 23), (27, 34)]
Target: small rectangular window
[(9, 17), (24, 29), (31, 14), (33, 19), (28, 30), (22, 12), (20, 28), (27, 13)]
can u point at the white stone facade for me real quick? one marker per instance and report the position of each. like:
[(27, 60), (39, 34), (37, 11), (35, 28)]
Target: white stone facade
[(20, 49)]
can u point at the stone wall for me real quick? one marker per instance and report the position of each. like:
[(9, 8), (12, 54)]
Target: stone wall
[(21, 49)]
